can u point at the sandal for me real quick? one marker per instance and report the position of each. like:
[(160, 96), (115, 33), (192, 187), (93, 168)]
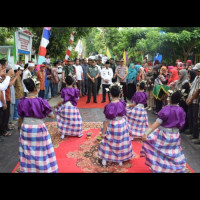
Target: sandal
[(6, 134)]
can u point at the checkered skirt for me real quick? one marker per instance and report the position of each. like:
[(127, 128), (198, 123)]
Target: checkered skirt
[(69, 120), (36, 152), (163, 152), (137, 119), (116, 146)]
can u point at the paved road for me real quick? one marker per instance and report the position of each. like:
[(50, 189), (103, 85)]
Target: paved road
[(9, 148)]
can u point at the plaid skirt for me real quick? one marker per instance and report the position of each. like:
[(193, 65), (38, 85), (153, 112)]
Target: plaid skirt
[(36, 152), (116, 146), (163, 152), (69, 120), (137, 119)]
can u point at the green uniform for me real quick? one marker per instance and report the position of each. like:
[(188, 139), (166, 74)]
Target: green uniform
[(68, 70), (112, 66), (92, 87)]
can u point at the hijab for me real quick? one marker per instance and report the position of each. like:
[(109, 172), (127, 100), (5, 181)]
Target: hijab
[(164, 70), (137, 67), (132, 73), (170, 68), (174, 76), (192, 75), (183, 79)]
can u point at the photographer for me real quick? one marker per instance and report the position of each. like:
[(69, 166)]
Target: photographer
[(5, 76)]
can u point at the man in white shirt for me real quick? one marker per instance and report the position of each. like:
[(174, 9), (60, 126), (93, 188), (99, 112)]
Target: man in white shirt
[(27, 74), (60, 67), (79, 74), (99, 65), (106, 75), (3, 86)]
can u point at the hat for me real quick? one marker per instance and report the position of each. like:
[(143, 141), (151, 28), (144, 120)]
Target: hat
[(10, 66), (16, 67), (31, 65), (69, 59), (197, 67), (117, 60), (3, 61), (121, 60)]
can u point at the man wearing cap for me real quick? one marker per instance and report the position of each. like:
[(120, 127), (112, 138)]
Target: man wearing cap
[(100, 66), (19, 90), (121, 74), (41, 78), (54, 80), (193, 106), (69, 69), (60, 67), (47, 80), (27, 74), (112, 66), (106, 75), (79, 75), (93, 74)]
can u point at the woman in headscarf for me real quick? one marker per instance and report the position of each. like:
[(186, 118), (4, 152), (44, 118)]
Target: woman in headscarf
[(170, 68), (188, 64), (183, 83), (173, 78), (131, 80)]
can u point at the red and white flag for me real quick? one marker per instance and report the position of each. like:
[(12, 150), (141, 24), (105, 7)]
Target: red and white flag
[(69, 49)]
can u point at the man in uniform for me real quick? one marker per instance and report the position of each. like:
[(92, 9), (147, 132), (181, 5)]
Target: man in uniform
[(93, 74), (112, 66), (68, 70), (100, 66), (117, 63)]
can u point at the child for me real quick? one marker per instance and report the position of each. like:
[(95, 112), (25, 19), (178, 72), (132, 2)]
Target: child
[(36, 152), (116, 145), (161, 145), (137, 116), (67, 114)]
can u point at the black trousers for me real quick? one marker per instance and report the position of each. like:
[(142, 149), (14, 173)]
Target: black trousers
[(183, 105), (124, 90), (131, 90), (193, 119), (41, 93), (5, 118), (98, 84), (92, 89), (158, 105), (104, 86)]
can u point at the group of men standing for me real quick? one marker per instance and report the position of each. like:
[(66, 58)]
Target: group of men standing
[(91, 74)]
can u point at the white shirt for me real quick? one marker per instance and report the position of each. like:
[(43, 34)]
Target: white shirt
[(79, 71), (107, 74), (47, 60), (195, 86), (26, 74), (3, 87), (60, 71), (99, 69)]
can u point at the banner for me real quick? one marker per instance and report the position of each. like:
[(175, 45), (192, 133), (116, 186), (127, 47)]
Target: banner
[(109, 53), (125, 57)]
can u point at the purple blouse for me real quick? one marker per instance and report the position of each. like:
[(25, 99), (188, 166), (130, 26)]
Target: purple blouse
[(33, 107), (113, 110), (70, 94), (172, 116), (139, 98)]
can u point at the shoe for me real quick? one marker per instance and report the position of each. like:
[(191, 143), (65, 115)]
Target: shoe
[(95, 101), (62, 137), (5, 134), (120, 163), (149, 109), (103, 101), (87, 102), (197, 142), (80, 136), (10, 128)]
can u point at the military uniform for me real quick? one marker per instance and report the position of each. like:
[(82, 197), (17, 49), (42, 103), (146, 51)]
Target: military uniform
[(68, 70), (92, 87), (112, 66)]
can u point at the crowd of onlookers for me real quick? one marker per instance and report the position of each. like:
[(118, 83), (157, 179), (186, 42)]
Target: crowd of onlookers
[(90, 75)]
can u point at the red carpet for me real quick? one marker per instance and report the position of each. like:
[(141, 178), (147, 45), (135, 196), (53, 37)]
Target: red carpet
[(80, 155), (82, 102)]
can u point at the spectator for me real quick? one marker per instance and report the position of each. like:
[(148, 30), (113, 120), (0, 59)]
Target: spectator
[(107, 75), (79, 75), (47, 58), (47, 80), (54, 80), (121, 75), (60, 67), (85, 82), (27, 74), (41, 78)]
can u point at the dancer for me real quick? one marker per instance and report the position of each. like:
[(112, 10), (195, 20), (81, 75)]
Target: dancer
[(137, 115), (68, 118), (36, 152), (116, 145), (161, 145)]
